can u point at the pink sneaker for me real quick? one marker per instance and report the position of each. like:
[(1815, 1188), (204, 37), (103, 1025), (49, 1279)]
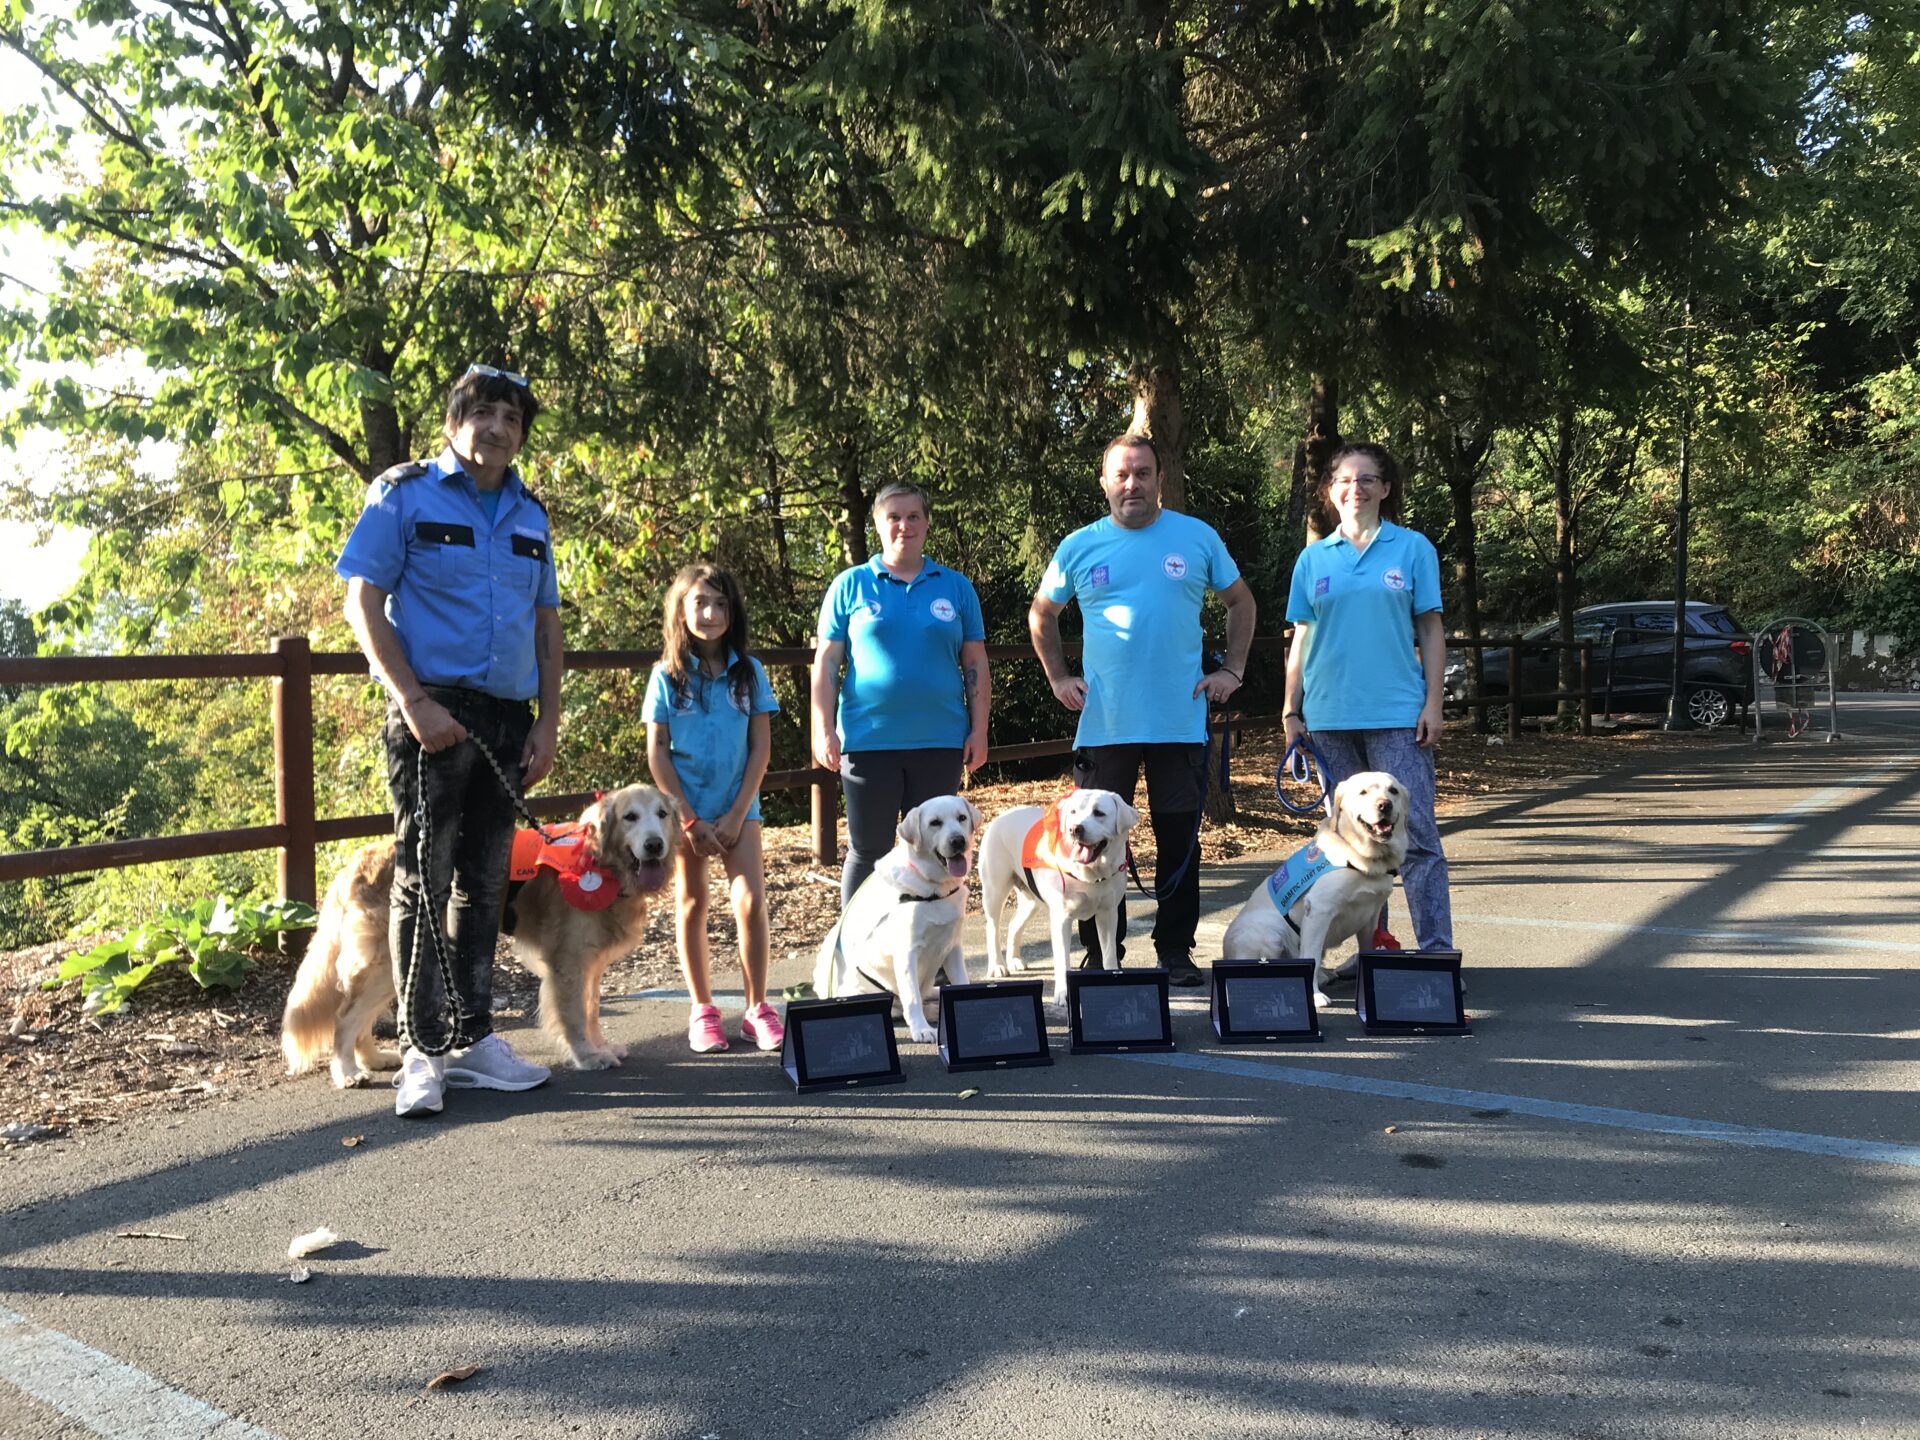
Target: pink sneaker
[(762, 1026), (704, 1031)]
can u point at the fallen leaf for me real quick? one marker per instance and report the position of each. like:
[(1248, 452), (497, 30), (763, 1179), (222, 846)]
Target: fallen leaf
[(351, 1140), (802, 991), (968, 1094), (1390, 1129), (300, 1275), (449, 1377), (311, 1243)]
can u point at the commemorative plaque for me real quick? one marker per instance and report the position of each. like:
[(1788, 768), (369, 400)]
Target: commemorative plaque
[(1258, 1002), (1411, 992), (1112, 1012), (994, 1026), (832, 1044)]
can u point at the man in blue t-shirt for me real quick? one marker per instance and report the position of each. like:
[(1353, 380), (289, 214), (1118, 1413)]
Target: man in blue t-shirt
[(1141, 575), (451, 594)]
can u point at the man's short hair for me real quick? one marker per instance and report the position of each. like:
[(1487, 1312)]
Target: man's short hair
[(1129, 440), (475, 389), (894, 489)]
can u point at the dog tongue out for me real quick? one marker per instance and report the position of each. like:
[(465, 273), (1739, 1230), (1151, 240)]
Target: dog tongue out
[(957, 864), (1083, 854)]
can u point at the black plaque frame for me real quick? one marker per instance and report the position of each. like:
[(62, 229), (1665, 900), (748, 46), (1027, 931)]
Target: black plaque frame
[(1020, 993), (803, 1013), (1078, 980), (1232, 1032), (1438, 962)]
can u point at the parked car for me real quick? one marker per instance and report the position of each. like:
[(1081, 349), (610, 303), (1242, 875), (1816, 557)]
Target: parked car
[(1633, 661)]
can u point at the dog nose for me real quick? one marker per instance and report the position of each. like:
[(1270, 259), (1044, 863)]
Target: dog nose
[(654, 847)]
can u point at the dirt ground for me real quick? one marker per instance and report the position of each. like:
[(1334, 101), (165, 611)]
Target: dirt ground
[(176, 1047)]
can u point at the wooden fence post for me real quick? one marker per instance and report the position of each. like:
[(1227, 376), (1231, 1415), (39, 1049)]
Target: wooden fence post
[(293, 778)]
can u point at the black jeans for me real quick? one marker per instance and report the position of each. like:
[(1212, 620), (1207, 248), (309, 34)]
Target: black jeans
[(470, 822), (1176, 789), (881, 786)]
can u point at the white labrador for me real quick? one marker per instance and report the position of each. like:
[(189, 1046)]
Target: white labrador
[(1081, 875), (902, 926), (1365, 841)]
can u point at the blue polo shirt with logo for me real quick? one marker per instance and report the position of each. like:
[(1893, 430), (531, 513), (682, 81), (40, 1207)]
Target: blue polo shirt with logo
[(903, 688), (707, 733), (1140, 593), (1362, 671), (463, 578)]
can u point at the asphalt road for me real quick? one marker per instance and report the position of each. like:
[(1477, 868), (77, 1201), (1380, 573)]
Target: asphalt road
[(1669, 1188)]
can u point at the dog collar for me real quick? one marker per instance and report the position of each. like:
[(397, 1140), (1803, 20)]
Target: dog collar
[(564, 850), (1297, 874)]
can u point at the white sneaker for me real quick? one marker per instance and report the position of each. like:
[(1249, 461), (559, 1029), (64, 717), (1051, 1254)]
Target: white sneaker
[(422, 1081), (492, 1065)]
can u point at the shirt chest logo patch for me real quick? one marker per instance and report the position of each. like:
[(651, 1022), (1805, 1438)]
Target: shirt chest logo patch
[(1100, 575), (1321, 586), (1394, 580), (868, 612), (1176, 566), (942, 609)]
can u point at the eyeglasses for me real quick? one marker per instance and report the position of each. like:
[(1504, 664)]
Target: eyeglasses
[(510, 376), (1374, 480)]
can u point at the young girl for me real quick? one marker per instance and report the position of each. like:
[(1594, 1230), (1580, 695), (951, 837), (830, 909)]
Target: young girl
[(707, 744)]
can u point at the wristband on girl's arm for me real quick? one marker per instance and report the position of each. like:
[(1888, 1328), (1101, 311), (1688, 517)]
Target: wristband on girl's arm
[(688, 824)]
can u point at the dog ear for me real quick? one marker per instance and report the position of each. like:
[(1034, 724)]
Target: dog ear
[(593, 822), (910, 828), (1129, 816), (1338, 798), (974, 818)]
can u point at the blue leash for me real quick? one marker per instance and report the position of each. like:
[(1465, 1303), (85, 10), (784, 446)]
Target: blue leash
[(1304, 763)]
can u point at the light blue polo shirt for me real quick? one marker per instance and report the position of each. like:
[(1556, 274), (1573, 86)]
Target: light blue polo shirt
[(707, 733), (903, 689), (462, 582), (1140, 593), (1362, 671)]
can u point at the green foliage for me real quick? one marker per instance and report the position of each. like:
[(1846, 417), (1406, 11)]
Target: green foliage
[(211, 939)]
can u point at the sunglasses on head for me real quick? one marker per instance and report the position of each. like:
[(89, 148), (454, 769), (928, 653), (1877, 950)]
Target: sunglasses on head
[(512, 377)]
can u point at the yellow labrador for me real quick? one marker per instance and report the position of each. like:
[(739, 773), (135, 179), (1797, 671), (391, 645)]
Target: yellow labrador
[(902, 926), (1333, 888)]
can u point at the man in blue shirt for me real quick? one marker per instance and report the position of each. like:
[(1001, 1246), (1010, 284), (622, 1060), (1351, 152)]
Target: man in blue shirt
[(451, 594), (1141, 575)]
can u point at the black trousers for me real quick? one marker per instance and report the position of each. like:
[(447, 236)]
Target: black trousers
[(881, 786), (470, 824), (1176, 789)]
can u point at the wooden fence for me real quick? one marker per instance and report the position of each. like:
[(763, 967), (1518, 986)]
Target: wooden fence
[(292, 667)]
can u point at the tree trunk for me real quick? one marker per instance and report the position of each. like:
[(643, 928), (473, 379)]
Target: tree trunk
[(1461, 449), (1566, 581), (1157, 413), (1310, 469), (386, 446), (851, 522)]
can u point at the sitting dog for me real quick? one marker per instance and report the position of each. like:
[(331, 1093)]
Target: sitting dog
[(902, 926), (345, 982), (1070, 857), (1331, 889)]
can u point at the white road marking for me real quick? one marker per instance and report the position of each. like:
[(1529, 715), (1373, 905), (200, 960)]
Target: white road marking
[(1783, 819), (108, 1396)]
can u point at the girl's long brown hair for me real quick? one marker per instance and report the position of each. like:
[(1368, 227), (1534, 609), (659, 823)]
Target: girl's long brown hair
[(676, 641)]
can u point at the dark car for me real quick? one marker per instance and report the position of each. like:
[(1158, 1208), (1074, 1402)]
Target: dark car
[(1633, 661)]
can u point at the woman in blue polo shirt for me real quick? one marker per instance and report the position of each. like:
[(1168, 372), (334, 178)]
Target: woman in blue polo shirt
[(912, 711), (1363, 599)]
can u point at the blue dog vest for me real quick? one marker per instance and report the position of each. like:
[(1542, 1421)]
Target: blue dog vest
[(1296, 876)]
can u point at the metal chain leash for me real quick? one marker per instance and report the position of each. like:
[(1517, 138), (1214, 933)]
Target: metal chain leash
[(429, 914)]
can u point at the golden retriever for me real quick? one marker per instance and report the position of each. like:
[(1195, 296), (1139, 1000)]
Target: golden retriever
[(346, 980)]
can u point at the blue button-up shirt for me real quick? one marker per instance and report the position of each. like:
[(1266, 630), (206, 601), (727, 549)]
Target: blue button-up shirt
[(462, 586)]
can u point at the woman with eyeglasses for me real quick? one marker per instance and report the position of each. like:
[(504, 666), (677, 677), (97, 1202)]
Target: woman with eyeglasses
[(1368, 656)]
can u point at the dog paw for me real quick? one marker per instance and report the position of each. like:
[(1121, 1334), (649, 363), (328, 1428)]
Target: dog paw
[(1320, 1000), (595, 1060), (344, 1079), (923, 1033)]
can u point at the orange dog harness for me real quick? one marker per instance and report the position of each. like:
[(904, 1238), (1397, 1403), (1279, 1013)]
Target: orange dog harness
[(1044, 846), (564, 850)]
